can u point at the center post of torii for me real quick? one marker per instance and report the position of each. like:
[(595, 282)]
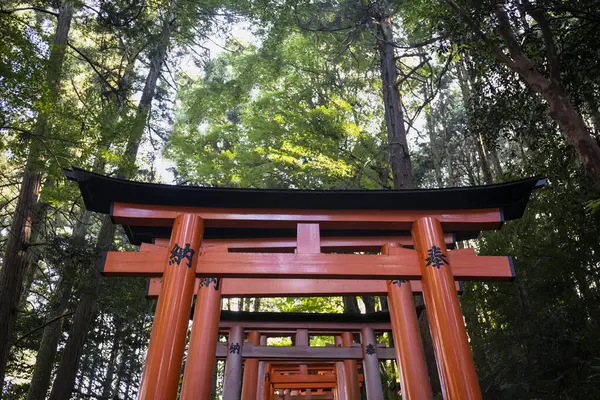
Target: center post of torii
[(214, 242)]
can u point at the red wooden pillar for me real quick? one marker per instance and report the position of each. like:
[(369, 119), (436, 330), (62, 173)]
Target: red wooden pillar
[(167, 341), (371, 365), (197, 378), (453, 354), (303, 340), (340, 375), (249, 386), (233, 365), (414, 378), (351, 374)]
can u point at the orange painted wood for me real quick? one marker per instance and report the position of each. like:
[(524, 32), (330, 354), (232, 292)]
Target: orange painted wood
[(298, 379), (403, 265), (162, 369), (250, 382), (237, 287), (452, 220), (414, 378), (341, 375), (197, 377), (308, 239), (352, 387), (314, 385), (454, 359), (328, 244)]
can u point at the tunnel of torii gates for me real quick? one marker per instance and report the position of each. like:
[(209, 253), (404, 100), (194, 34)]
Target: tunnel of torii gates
[(215, 242)]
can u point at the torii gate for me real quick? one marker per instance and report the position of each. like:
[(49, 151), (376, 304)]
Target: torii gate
[(194, 214)]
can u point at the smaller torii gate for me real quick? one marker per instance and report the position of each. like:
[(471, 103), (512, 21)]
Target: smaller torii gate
[(192, 215), (346, 355)]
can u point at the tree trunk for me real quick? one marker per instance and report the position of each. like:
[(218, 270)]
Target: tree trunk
[(40, 381), (67, 369), (369, 302), (561, 108), (114, 352), (394, 117), (400, 161), (84, 315), (40, 211), (15, 259), (350, 305)]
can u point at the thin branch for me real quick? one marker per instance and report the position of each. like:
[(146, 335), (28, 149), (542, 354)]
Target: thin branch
[(496, 50), (38, 9), (540, 17), (411, 72), (91, 63), (34, 330)]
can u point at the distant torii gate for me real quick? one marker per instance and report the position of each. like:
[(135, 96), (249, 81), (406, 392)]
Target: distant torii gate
[(193, 214)]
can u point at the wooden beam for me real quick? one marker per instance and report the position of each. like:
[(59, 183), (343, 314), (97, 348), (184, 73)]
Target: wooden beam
[(402, 264), (367, 244), (306, 353), (452, 220), (236, 287)]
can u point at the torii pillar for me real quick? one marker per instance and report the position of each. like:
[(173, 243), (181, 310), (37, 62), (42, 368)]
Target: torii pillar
[(167, 341), (450, 342)]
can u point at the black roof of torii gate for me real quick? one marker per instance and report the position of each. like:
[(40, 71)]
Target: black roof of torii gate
[(99, 192)]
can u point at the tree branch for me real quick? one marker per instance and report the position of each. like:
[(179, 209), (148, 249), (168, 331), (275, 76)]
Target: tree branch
[(496, 50), (91, 63), (540, 17), (38, 9), (34, 330)]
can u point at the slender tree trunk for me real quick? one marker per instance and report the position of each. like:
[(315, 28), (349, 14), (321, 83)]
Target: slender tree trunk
[(394, 117), (257, 304), (33, 256), (369, 302), (40, 381), (114, 352), (350, 305), (67, 369), (15, 259), (482, 154), (84, 315), (120, 371), (400, 159)]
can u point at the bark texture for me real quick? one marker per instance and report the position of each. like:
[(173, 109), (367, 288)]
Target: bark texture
[(15, 260), (402, 174), (44, 361), (561, 108), (67, 369)]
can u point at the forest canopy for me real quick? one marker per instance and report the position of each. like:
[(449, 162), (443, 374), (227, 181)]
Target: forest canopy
[(351, 94)]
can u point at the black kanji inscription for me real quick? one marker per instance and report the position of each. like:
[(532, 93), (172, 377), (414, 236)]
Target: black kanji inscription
[(436, 257), (178, 253), (370, 349), (234, 348), (398, 282), (207, 281)]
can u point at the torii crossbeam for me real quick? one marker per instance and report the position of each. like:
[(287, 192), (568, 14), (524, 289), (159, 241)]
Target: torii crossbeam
[(190, 215)]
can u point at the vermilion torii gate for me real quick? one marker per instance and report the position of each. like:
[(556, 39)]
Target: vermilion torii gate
[(192, 215)]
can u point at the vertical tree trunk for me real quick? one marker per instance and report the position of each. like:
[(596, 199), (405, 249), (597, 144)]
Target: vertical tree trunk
[(15, 259), (37, 223), (350, 305), (402, 174), (561, 109), (114, 352), (482, 154), (40, 381), (67, 369)]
